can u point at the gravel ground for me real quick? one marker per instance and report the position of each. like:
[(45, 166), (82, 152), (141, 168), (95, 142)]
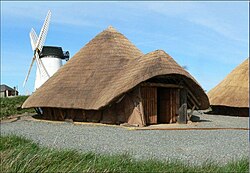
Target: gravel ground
[(209, 121), (192, 146)]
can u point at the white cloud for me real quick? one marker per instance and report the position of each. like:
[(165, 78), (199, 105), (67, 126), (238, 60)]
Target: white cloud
[(204, 14)]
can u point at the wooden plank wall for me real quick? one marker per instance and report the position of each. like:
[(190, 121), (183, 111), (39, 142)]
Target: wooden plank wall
[(149, 101), (177, 101), (173, 105)]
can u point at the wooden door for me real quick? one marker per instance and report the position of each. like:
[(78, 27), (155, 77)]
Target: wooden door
[(168, 104), (149, 102)]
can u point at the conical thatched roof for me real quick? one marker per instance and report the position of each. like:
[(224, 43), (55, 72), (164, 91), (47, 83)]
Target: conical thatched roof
[(104, 69), (233, 91)]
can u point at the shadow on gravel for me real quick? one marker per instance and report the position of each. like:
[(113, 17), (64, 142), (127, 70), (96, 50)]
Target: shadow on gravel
[(195, 118), (37, 116), (204, 121), (228, 111)]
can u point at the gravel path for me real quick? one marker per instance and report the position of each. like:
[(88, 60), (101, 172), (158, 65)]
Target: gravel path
[(193, 146)]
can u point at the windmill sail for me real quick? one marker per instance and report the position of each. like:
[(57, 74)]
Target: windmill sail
[(33, 39), (37, 44), (27, 76), (47, 62), (43, 32)]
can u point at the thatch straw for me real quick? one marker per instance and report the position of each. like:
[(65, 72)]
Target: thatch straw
[(233, 91), (108, 66)]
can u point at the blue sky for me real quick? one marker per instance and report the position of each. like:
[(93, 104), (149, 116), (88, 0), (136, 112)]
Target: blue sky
[(210, 38)]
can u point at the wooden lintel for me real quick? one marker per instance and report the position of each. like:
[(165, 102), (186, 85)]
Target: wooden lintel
[(161, 85)]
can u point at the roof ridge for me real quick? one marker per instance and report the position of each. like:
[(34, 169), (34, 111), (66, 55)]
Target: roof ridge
[(110, 28)]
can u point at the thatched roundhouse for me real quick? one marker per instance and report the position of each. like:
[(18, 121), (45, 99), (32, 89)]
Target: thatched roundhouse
[(231, 95), (111, 81)]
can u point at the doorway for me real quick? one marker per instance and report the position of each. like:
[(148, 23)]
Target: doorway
[(160, 104), (167, 105)]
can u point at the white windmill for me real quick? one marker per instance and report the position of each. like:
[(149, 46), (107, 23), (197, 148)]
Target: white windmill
[(48, 58)]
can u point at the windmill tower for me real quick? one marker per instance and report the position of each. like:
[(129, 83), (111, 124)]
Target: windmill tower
[(48, 58)]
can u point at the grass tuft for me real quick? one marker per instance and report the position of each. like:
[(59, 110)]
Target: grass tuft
[(21, 155)]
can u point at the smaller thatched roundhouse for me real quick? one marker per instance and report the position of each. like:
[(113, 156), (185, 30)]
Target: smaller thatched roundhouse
[(111, 81), (231, 95)]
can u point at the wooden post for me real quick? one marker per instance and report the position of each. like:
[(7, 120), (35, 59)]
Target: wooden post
[(182, 118), (141, 108)]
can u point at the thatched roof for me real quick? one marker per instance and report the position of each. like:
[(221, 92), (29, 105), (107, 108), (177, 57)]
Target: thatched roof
[(233, 91), (103, 70)]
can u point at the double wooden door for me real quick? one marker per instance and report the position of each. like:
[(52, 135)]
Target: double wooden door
[(160, 104)]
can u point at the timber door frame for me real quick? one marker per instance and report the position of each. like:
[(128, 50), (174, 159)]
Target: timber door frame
[(149, 95)]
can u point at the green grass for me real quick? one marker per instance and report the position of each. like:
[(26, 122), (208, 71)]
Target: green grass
[(11, 106), (22, 155)]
